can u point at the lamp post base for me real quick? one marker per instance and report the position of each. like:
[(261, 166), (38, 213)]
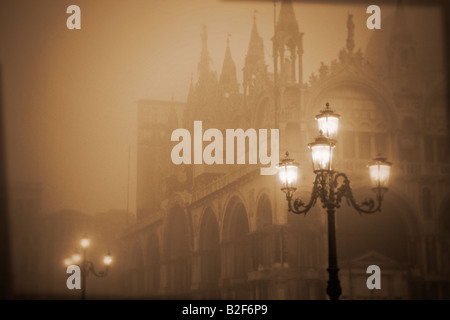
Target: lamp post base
[(334, 287)]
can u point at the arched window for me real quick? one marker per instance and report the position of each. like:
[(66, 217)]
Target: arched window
[(236, 261)]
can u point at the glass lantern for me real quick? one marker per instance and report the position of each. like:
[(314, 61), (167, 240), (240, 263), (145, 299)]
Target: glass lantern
[(328, 122), (380, 171), (85, 242), (288, 174), (107, 259), (322, 153)]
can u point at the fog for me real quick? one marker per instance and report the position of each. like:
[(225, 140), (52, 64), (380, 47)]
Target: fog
[(70, 96)]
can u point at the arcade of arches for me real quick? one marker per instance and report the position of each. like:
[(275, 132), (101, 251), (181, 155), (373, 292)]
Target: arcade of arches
[(278, 262)]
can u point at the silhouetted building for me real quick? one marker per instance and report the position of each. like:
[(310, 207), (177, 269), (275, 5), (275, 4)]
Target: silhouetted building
[(25, 212), (223, 231)]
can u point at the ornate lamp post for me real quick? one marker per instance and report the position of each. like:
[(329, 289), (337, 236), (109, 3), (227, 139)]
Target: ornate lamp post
[(86, 265), (331, 187)]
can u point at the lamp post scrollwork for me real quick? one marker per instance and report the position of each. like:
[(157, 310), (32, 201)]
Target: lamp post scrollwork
[(87, 267), (331, 187)]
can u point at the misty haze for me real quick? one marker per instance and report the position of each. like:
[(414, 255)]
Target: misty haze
[(88, 114)]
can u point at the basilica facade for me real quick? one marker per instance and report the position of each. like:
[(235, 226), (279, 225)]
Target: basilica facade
[(225, 232)]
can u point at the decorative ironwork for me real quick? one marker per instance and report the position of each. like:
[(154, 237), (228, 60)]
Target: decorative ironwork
[(331, 192)]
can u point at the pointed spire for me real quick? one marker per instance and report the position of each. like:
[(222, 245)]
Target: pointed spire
[(255, 66), (288, 46), (350, 33), (206, 76), (228, 77), (203, 65), (287, 23), (255, 50)]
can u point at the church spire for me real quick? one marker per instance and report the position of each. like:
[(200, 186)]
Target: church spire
[(255, 66), (288, 45), (228, 79), (206, 76), (350, 34), (255, 47), (203, 65), (287, 23)]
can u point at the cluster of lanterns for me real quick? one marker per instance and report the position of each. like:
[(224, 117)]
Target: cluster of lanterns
[(77, 258), (322, 157)]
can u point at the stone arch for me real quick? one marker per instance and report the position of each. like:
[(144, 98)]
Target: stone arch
[(235, 212), (384, 100), (209, 252), (263, 211), (178, 252), (153, 264), (230, 202), (358, 100), (390, 232), (265, 240), (236, 262)]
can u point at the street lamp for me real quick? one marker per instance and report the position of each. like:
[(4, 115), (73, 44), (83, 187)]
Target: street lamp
[(85, 242), (76, 258), (322, 153), (88, 266), (331, 187), (67, 262), (328, 122)]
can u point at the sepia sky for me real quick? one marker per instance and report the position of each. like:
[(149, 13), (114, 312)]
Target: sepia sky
[(70, 95)]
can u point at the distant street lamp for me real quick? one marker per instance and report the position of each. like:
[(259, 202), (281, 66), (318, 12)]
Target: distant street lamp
[(86, 265), (331, 187)]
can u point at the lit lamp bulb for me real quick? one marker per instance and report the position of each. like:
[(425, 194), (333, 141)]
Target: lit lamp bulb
[(85, 242), (328, 122), (76, 258), (107, 259), (380, 171), (288, 174), (67, 262), (322, 153)]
